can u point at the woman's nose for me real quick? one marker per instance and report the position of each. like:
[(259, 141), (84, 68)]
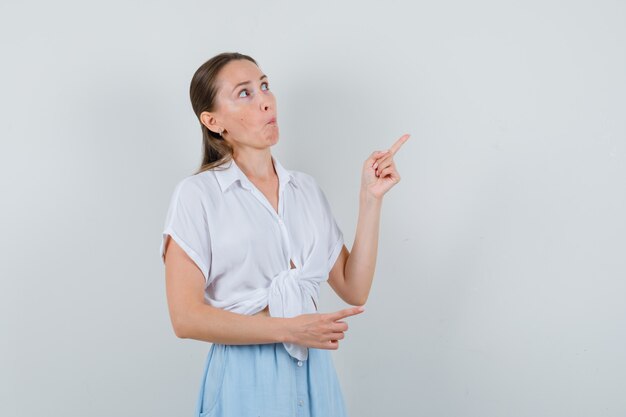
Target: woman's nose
[(266, 103)]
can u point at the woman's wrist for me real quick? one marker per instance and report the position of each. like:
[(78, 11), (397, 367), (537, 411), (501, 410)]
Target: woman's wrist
[(282, 329), (369, 200)]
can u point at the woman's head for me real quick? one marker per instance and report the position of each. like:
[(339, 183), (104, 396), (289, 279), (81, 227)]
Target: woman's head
[(231, 98)]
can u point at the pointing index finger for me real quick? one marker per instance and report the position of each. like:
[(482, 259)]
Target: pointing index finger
[(346, 313), (394, 148)]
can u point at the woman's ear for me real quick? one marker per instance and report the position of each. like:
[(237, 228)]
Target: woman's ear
[(208, 120)]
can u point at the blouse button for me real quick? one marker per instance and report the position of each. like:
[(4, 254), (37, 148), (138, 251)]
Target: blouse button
[(299, 363), (300, 403)]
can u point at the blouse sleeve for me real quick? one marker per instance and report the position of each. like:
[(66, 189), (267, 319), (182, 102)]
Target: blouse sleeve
[(335, 241), (186, 222)]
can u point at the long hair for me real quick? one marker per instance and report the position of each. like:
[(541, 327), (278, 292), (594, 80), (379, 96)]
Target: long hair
[(203, 92)]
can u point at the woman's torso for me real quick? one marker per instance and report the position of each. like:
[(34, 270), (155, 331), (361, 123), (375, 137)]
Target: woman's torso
[(246, 236)]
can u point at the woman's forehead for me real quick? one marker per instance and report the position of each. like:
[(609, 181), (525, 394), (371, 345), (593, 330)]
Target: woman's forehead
[(238, 71)]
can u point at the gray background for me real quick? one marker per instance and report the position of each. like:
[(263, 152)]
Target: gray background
[(499, 288)]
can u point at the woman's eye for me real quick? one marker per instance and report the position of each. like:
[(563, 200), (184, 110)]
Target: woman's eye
[(246, 91)]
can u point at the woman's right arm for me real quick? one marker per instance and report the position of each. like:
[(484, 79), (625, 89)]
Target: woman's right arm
[(192, 318)]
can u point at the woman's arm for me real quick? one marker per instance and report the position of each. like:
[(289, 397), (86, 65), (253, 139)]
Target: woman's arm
[(192, 318), (352, 275)]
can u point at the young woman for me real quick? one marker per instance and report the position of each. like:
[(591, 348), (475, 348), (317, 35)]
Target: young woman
[(251, 242)]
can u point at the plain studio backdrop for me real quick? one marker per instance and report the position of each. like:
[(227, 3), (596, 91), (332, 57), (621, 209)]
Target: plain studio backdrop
[(500, 281)]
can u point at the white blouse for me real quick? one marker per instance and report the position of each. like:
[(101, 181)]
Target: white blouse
[(243, 246)]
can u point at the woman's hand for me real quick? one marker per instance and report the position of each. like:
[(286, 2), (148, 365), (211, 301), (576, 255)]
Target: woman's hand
[(379, 171), (321, 331)]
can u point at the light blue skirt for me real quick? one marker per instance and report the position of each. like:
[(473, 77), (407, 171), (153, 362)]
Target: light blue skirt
[(263, 380)]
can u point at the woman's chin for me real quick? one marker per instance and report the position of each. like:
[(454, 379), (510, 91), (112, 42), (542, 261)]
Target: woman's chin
[(272, 137)]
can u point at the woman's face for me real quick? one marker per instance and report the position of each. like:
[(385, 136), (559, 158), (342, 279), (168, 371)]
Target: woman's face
[(245, 106)]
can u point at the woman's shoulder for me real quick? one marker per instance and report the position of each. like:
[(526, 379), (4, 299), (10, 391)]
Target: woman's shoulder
[(303, 179), (308, 184), (202, 185)]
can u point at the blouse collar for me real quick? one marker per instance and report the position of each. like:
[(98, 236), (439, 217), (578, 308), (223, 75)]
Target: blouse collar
[(227, 175)]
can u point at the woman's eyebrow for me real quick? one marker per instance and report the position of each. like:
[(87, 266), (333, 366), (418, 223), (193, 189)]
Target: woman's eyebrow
[(248, 82)]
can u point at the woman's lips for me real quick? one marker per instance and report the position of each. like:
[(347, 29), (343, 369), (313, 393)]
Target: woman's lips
[(272, 120)]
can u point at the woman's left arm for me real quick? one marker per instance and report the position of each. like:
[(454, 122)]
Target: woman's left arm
[(351, 276)]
